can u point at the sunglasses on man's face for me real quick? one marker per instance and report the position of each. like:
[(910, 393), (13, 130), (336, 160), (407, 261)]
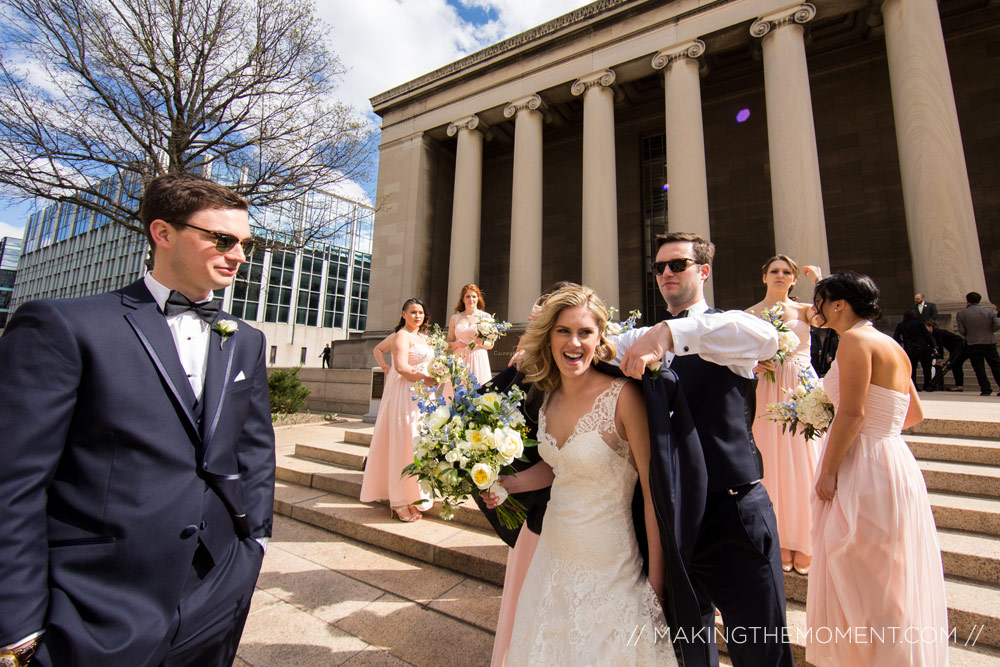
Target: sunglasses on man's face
[(225, 242), (675, 265)]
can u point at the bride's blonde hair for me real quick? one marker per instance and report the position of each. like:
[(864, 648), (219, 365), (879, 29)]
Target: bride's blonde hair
[(538, 365)]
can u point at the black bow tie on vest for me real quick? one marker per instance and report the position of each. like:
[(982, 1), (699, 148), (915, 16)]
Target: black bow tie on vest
[(679, 315), (177, 303)]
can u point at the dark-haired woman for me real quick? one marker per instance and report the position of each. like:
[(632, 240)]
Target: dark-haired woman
[(789, 460), (876, 559), (396, 425)]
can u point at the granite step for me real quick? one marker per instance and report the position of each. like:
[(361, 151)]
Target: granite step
[(359, 436), (963, 650), (339, 453), (967, 513), (954, 449), (969, 478), (346, 481), (471, 551), (972, 428)]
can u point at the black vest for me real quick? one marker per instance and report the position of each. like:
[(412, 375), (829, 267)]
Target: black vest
[(723, 405)]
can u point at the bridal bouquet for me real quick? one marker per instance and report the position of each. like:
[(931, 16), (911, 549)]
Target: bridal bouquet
[(808, 408), (463, 445), (489, 331), (787, 340)]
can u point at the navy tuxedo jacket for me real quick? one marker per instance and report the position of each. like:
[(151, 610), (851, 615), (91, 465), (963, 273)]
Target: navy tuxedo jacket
[(112, 474)]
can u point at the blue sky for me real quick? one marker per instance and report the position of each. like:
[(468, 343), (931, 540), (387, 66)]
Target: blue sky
[(385, 43)]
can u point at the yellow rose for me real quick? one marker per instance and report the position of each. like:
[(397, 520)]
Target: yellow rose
[(483, 476)]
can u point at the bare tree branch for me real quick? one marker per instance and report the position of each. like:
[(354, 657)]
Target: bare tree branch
[(127, 90)]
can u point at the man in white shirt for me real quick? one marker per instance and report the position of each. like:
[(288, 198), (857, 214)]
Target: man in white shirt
[(139, 455), (736, 564)]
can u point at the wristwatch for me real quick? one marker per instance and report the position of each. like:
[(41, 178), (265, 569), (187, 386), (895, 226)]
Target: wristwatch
[(18, 656)]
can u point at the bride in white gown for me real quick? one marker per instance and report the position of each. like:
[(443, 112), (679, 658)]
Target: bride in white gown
[(585, 599)]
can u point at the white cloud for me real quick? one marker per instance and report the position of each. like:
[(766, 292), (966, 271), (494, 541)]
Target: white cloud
[(10, 230), (385, 43)]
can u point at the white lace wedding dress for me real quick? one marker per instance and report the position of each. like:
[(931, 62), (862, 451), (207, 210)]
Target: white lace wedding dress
[(585, 600)]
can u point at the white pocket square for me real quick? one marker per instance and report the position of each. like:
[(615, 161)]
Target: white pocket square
[(240, 377)]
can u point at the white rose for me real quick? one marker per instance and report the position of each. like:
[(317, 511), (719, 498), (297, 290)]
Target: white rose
[(787, 342), (487, 438), (452, 455), (483, 476), (517, 419), (612, 329), (227, 327), (509, 444), (438, 418)]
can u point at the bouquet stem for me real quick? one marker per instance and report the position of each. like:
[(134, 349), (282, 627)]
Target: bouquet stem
[(511, 513)]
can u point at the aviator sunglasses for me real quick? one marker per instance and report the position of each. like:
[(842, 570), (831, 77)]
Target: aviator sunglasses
[(225, 242), (675, 265)]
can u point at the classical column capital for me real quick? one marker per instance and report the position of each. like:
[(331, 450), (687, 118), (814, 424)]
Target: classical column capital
[(666, 57), (468, 123), (603, 78), (533, 102), (800, 14)]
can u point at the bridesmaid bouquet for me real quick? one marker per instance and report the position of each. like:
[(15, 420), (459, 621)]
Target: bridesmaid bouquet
[(464, 445), (787, 340), (444, 365), (808, 409), (614, 328), (489, 330)]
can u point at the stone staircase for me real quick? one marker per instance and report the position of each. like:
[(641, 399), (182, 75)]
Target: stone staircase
[(320, 481)]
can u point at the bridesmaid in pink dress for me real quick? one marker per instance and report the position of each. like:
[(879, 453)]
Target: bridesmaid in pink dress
[(876, 557), (789, 460), (396, 425), (462, 332)]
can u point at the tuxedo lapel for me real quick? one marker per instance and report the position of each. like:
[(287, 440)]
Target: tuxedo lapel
[(151, 327), (218, 372)]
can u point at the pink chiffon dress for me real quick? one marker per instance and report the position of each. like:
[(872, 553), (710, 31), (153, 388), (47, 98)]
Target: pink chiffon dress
[(518, 561), (391, 448), (477, 360), (789, 460), (876, 578)]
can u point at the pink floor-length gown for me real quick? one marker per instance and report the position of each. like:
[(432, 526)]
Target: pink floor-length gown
[(518, 561), (876, 558), (392, 440), (477, 360), (789, 460)]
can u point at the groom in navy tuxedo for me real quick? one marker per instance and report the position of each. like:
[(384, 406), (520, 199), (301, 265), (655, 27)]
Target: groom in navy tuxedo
[(731, 555), (138, 474)]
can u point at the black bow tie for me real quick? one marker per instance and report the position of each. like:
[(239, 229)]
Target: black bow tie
[(177, 303), (679, 315)]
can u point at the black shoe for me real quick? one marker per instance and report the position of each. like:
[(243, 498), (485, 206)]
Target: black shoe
[(929, 389), (986, 393)]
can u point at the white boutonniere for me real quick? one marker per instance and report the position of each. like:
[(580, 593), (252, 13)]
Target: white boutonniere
[(225, 329), (655, 367)]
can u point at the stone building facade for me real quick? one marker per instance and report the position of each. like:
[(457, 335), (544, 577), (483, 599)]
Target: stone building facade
[(850, 134)]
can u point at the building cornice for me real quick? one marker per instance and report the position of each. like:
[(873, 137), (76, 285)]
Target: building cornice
[(500, 48)]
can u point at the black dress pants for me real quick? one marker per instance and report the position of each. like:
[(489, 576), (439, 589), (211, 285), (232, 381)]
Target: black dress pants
[(981, 356), (737, 568)]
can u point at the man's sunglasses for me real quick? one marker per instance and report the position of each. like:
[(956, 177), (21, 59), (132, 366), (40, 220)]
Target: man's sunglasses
[(225, 242), (675, 265)]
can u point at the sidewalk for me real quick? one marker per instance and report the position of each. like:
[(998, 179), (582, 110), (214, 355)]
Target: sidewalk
[(324, 600)]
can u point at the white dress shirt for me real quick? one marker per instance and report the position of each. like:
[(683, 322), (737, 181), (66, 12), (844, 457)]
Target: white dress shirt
[(191, 336), (734, 339)]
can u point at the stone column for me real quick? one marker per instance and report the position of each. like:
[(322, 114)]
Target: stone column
[(796, 193), (940, 220), (525, 277), (687, 198), (600, 196), (463, 263)]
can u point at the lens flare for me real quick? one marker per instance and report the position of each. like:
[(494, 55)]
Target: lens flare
[(743, 115)]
